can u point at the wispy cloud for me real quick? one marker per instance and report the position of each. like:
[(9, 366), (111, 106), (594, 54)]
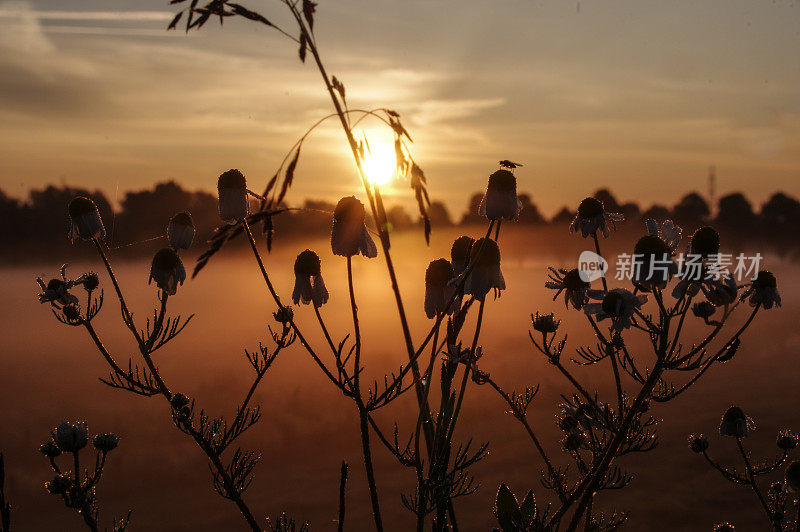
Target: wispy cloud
[(18, 10)]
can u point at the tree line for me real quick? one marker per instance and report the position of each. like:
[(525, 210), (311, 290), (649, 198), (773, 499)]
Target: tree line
[(38, 224)]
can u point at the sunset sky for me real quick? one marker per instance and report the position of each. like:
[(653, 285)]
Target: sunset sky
[(637, 95)]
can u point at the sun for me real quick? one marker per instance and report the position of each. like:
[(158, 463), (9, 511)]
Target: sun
[(379, 163)]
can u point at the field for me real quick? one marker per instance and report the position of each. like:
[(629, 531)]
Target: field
[(48, 372)]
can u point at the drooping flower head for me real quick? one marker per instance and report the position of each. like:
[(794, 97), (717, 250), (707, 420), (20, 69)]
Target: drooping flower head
[(763, 290), (308, 284), (735, 423), (704, 242), (703, 309), (592, 217), (349, 235), (618, 304), (571, 283), (485, 274), (438, 288), (500, 201), (459, 254), (85, 221), (71, 437), (167, 270), (181, 231), (720, 292), (232, 188)]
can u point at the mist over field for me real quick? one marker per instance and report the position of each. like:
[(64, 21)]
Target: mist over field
[(49, 373)]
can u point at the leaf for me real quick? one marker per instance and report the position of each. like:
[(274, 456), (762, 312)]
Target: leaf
[(506, 508), (339, 86), (173, 2), (175, 20), (289, 177), (251, 15), (302, 51), (309, 8), (267, 190), (528, 507), (269, 230)]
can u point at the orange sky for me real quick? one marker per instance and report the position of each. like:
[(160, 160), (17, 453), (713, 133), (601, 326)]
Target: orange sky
[(639, 96)]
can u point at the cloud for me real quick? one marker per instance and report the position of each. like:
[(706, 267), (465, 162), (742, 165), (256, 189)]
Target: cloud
[(23, 10)]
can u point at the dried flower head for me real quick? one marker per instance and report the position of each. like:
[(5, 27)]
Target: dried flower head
[(308, 284), (85, 220), (459, 254), (703, 309), (618, 304), (438, 289), (167, 270), (105, 442), (571, 283), (592, 217), (59, 485), (500, 201), (735, 423), (90, 282), (50, 449), (349, 234), (178, 401), (787, 440), (704, 242), (485, 274), (545, 323), (654, 253), (232, 189), (71, 437), (698, 443), (763, 291), (181, 231), (284, 315)]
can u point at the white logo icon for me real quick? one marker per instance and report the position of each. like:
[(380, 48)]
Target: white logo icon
[(591, 266)]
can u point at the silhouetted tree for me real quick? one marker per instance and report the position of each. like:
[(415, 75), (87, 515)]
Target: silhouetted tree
[(47, 219), (146, 213), (439, 215), (563, 217), (631, 211), (780, 212), (397, 216), (691, 211), (735, 212), (472, 216), (657, 212), (609, 201), (530, 213)]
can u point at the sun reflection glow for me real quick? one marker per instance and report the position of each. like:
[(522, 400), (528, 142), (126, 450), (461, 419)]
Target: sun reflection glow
[(380, 163)]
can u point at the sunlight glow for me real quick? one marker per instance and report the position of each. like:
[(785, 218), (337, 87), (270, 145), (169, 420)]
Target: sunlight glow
[(379, 163)]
